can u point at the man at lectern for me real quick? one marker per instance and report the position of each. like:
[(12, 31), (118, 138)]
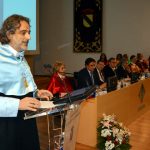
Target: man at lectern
[(17, 85)]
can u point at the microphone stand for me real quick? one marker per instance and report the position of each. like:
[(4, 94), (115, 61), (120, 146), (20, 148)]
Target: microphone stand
[(48, 130), (70, 102), (68, 94), (65, 88)]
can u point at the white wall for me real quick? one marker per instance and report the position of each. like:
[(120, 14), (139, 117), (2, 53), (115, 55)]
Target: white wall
[(125, 30), (126, 26)]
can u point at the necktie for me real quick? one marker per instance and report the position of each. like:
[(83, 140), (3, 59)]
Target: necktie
[(92, 78), (101, 76)]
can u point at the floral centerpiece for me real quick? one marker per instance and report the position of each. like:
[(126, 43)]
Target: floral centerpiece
[(112, 135)]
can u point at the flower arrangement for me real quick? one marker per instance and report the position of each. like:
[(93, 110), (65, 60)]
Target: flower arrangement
[(112, 135)]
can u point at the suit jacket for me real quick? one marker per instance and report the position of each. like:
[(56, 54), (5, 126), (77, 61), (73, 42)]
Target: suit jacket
[(84, 78), (122, 72), (108, 72), (98, 80)]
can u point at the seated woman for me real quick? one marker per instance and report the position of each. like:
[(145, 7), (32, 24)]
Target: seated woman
[(59, 84), (134, 68), (142, 63)]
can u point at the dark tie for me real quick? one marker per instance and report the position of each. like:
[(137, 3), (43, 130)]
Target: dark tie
[(102, 77), (92, 78)]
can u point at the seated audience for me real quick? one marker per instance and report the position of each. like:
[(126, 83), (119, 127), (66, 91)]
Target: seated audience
[(99, 71), (110, 69), (125, 56), (134, 68), (149, 63), (142, 63), (119, 59), (103, 58), (87, 76), (123, 70), (59, 83)]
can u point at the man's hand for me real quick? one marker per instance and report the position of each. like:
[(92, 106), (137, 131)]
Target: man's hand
[(29, 103), (45, 94), (103, 86)]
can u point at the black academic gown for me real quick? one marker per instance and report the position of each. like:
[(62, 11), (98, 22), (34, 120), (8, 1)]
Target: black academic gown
[(17, 133)]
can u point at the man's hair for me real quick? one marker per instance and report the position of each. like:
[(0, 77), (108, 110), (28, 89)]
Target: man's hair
[(110, 59), (99, 60), (89, 60), (132, 56), (10, 25)]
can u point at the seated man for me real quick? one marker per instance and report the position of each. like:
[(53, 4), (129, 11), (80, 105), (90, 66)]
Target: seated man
[(110, 69), (87, 76), (123, 70), (99, 71)]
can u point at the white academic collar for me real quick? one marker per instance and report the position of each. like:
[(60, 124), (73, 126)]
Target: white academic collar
[(11, 51)]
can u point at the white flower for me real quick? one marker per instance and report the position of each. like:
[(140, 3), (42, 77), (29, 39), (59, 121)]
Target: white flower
[(105, 133), (110, 118), (120, 124), (115, 131), (109, 145), (120, 136), (106, 124), (111, 129)]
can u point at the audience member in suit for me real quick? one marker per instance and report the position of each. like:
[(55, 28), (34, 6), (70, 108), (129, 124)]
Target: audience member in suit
[(110, 69), (123, 70), (59, 83), (99, 71), (87, 76)]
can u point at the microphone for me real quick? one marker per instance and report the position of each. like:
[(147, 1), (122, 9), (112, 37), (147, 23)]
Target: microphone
[(69, 73), (48, 68)]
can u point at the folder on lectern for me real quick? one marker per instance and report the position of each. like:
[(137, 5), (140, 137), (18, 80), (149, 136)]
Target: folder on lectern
[(76, 95)]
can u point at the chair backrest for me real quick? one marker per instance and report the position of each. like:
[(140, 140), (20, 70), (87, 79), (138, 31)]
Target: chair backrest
[(76, 74)]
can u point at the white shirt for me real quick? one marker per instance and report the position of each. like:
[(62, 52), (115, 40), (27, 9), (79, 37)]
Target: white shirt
[(100, 75)]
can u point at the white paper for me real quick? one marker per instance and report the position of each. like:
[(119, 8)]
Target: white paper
[(47, 104)]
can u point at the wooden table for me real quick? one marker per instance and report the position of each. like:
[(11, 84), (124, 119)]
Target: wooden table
[(127, 104)]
